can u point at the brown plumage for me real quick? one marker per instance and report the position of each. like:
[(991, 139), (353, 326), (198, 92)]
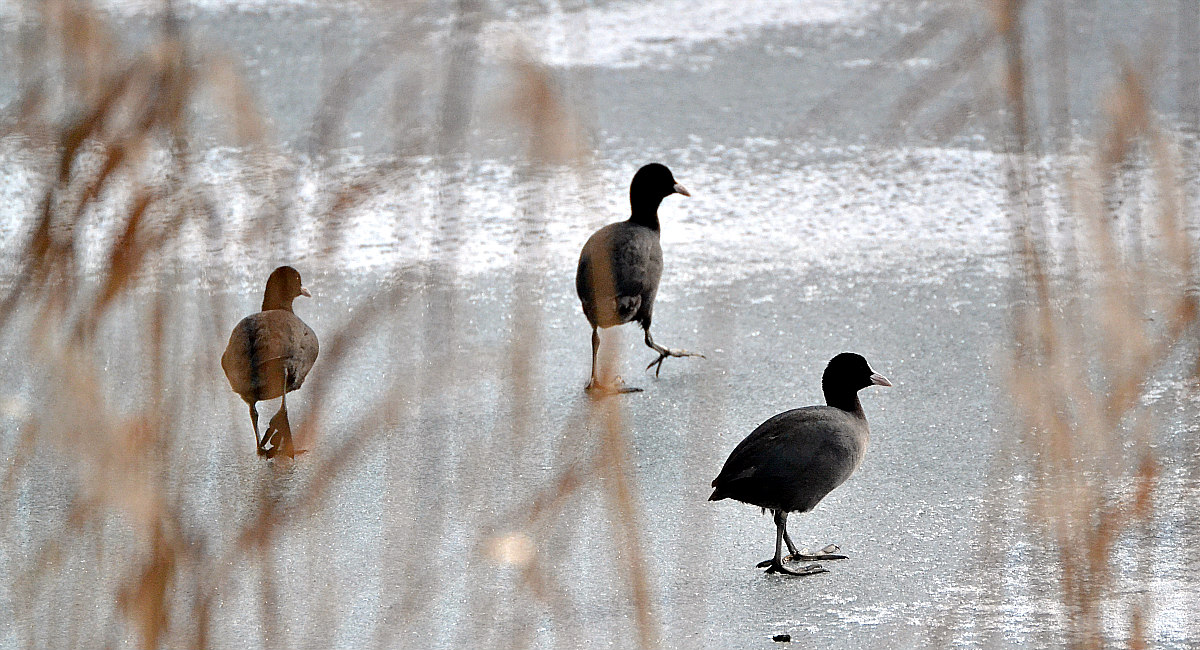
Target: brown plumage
[(269, 352)]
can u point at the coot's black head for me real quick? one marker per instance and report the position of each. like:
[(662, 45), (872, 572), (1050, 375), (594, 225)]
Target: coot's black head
[(651, 184), (846, 374), (283, 287)]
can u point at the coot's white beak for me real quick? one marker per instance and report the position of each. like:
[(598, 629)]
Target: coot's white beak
[(304, 292), (880, 380), (679, 189)]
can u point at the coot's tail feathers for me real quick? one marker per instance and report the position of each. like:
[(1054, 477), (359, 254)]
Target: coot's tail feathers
[(627, 307), (717, 495)]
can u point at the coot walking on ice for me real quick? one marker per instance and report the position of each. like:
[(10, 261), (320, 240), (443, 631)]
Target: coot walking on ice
[(269, 355), (791, 461), (620, 266)]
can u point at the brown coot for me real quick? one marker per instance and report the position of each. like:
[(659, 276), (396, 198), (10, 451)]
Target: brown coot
[(791, 461), (269, 355), (620, 266)]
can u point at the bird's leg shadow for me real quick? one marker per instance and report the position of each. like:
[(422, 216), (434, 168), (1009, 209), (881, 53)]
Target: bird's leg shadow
[(663, 353), (810, 570)]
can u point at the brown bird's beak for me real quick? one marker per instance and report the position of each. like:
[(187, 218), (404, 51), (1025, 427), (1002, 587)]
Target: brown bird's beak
[(880, 380), (304, 292), (679, 189)]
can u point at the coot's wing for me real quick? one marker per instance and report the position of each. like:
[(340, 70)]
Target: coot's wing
[(583, 273), (637, 262), (632, 258), (305, 348), (770, 432), (258, 347), (792, 460)]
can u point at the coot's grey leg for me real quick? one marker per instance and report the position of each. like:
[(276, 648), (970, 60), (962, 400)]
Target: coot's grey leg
[(595, 349), (258, 443), (279, 432), (663, 353), (775, 564), (827, 553), (787, 539), (595, 384), (775, 515)]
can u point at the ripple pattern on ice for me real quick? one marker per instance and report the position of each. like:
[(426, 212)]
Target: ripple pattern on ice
[(756, 208)]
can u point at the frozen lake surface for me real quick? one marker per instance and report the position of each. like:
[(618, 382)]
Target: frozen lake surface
[(814, 228)]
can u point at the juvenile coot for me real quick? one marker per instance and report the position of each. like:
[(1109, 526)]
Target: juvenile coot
[(268, 352), (791, 461), (621, 264)]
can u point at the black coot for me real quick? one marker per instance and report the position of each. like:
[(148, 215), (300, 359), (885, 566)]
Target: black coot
[(269, 355), (791, 461), (621, 264)]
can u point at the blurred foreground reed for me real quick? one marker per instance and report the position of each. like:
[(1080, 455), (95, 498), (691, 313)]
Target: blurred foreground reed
[(1104, 304), (114, 411), (114, 424), (1104, 300)]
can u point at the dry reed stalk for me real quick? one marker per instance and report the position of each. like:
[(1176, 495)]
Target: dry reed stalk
[(554, 137), (1084, 344), (123, 144), (127, 111)]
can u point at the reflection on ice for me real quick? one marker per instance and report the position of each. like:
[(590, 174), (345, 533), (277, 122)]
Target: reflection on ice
[(908, 212)]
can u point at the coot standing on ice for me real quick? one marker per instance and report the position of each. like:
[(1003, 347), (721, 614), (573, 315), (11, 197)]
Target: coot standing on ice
[(791, 461), (269, 355), (620, 266)]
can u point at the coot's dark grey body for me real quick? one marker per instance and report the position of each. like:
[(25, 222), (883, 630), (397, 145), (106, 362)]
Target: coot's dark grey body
[(791, 461), (621, 264), (268, 352)]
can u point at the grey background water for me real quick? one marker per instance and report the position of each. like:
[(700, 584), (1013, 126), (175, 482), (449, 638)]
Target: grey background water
[(828, 215)]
